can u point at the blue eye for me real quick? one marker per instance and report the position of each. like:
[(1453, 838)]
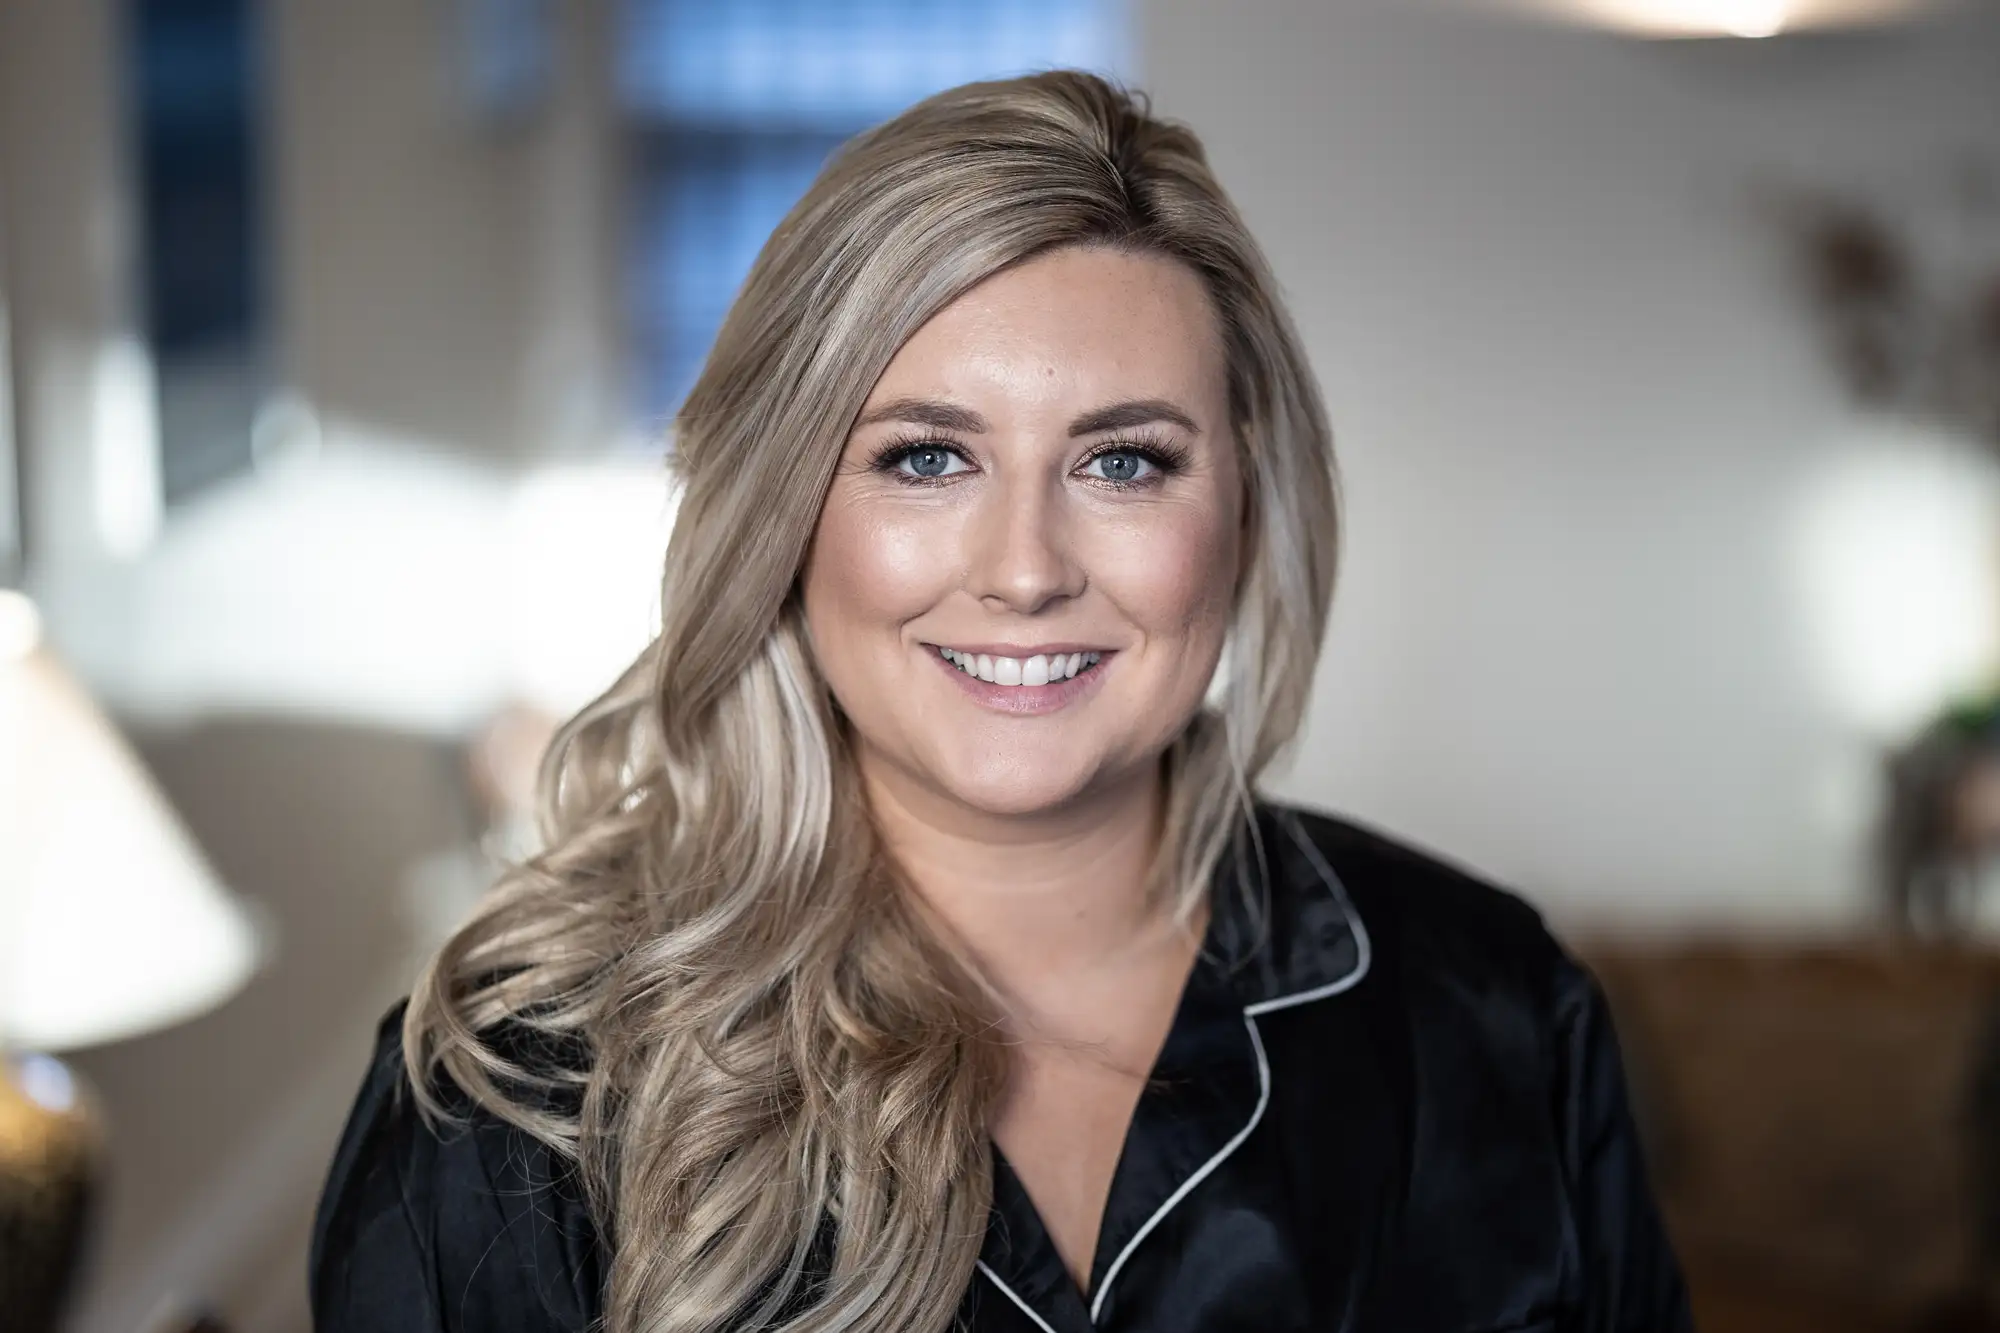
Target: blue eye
[(928, 461), (1121, 466)]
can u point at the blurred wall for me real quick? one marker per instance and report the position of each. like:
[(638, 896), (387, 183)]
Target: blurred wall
[(1580, 419), (445, 299), (448, 267)]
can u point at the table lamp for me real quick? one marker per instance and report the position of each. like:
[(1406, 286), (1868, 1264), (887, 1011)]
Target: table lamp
[(111, 925)]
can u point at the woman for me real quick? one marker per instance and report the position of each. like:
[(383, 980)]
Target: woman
[(909, 952)]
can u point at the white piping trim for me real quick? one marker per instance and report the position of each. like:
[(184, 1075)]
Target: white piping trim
[(1131, 1246), (1008, 1291), (1364, 949), (1364, 954)]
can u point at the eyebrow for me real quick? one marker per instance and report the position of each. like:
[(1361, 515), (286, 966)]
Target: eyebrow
[(948, 416), (927, 412), (1137, 412)]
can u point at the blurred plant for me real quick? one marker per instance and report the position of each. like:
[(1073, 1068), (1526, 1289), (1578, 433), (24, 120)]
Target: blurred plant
[(1909, 315), (1905, 331), (1941, 838)]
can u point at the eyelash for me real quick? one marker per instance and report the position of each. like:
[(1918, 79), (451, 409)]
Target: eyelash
[(1166, 457)]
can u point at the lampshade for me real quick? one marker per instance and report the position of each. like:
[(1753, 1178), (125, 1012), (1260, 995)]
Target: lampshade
[(111, 924)]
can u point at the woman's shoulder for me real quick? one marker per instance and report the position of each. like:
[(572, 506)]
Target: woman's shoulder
[(1424, 915), (1510, 1041), (434, 1225)]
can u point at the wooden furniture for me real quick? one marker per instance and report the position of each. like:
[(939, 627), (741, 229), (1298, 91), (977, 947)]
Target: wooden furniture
[(1824, 1124)]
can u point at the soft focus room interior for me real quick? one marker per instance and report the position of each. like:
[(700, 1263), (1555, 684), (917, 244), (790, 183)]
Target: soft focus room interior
[(1662, 344)]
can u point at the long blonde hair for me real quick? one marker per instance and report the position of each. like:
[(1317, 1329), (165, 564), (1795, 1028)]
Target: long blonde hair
[(775, 1040)]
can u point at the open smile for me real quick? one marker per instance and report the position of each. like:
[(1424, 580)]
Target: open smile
[(1038, 669), (1038, 681)]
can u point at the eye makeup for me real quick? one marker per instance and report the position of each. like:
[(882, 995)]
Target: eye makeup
[(1165, 456)]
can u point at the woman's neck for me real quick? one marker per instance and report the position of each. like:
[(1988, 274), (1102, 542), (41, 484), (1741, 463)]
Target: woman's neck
[(1042, 903)]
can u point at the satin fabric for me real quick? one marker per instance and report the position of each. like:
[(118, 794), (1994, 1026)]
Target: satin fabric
[(1388, 1103)]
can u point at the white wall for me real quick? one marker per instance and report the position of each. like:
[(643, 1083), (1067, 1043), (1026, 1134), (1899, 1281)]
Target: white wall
[(1578, 417), (443, 275)]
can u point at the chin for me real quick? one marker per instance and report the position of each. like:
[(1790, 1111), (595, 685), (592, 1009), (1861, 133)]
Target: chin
[(1016, 791)]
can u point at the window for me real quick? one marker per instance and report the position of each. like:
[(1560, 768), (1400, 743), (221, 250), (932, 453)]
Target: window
[(193, 72), (734, 105)]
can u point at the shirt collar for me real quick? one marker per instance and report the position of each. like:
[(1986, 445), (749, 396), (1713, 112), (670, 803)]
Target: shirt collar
[(1282, 924), (1281, 932)]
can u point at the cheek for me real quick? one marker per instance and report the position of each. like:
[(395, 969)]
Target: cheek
[(1176, 576), (867, 572)]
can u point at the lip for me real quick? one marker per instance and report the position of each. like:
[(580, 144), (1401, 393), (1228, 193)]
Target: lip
[(1022, 651), (1024, 700)]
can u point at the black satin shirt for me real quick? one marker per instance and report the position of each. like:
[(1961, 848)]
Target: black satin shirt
[(1388, 1103)]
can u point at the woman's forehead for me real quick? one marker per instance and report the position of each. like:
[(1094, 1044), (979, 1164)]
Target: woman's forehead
[(1070, 327)]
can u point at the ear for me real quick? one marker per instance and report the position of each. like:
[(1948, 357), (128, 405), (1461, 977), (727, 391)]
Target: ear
[(1218, 684)]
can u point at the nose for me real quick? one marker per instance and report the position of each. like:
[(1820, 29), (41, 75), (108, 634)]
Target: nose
[(1020, 557)]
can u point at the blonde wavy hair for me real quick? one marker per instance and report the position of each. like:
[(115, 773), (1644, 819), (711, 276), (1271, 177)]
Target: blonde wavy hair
[(776, 1042)]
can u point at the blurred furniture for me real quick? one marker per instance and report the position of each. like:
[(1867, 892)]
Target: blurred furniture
[(110, 925), (48, 1150), (351, 836), (1941, 838), (1824, 1125), (203, 1323)]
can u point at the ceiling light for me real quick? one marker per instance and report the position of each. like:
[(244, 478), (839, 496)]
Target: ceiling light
[(1719, 18)]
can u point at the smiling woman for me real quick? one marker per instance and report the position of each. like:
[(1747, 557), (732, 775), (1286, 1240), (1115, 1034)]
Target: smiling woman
[(1026, 484), (910, 951)]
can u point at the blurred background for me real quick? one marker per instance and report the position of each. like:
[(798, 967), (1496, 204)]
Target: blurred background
[(1662, 339)]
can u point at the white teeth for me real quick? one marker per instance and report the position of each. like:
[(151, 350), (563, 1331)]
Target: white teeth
[(1041, 669)]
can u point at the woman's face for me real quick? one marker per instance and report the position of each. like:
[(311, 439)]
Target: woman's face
[(1022, 577)]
